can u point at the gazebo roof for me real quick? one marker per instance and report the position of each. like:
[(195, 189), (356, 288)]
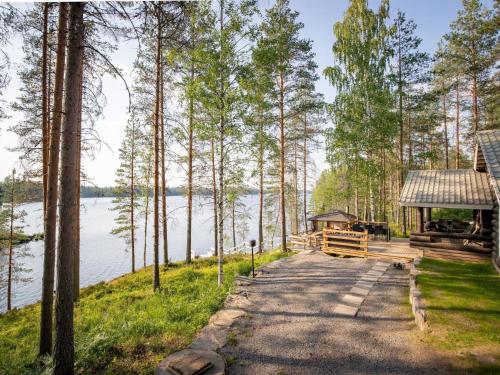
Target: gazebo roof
[(447, 188), (335, 216)]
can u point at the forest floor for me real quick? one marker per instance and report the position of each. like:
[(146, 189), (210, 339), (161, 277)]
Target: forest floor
[(293, 325), (121, 326)]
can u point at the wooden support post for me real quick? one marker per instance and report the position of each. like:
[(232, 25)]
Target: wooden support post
[(428, 214), (420, 219)]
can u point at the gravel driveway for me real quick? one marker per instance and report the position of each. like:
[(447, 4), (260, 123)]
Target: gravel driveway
[(291, 328)]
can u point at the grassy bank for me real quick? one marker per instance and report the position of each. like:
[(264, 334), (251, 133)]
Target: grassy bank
[(463, 306), (122, 327)]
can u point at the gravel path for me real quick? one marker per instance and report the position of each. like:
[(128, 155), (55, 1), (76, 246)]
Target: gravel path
[(290, 326)]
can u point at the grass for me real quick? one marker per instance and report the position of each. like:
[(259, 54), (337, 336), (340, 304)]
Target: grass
[(121, 326), (463, 307)]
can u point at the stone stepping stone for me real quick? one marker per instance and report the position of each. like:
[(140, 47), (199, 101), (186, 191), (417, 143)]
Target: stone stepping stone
[(345, 310), (375, 273), (365, 284), (379, 269), (226, 317), (369, 278), (382, 264), (354, 300), (192, 362), (361, 291), (211, 337)]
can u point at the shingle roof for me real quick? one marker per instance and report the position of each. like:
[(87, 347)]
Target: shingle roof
[(447, 188), (489, 142), (336, 215)]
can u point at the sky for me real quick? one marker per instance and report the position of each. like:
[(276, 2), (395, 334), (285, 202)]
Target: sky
[(318, 16)]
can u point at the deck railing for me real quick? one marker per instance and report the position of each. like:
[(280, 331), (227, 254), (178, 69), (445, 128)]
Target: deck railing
[(345, 242)]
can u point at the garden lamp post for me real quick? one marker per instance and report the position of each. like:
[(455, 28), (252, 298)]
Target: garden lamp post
[(252, 245)]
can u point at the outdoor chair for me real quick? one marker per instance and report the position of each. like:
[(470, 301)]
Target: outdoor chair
[(358, 227), (379, 230), (442, 225)]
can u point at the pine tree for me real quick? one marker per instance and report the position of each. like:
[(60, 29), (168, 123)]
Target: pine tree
[(286, 57), (11, 220), (471, 44), (125, 201)]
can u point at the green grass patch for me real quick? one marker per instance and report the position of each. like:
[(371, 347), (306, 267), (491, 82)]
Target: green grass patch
[(463, 307), (121, 326)]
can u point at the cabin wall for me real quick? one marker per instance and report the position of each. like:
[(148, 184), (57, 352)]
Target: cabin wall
[(495, 233)]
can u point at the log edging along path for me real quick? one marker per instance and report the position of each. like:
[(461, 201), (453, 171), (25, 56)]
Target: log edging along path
[(416, 300)]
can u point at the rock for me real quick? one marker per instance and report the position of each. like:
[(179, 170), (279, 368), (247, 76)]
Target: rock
[(211, 337), (192, 362), (226, 317)]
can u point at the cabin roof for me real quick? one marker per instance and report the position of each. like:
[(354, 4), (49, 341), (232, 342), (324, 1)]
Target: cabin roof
[(336, 216), (447, 188), (488, 153)]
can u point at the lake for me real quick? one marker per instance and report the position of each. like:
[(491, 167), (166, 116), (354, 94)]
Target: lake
[(104, 256)]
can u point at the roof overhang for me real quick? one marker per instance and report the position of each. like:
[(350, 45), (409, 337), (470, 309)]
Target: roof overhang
[(460, 206), (447, 188)]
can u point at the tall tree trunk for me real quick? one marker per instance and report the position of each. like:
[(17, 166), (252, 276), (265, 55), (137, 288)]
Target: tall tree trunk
[(445, 119), (64, 341), (401, 130), (163, 171), (475, 106), (261, 186), (76, 256), (132, 196), (457, 121), (214, 197), (45, 109), (11, 240), (220, 263), (305, 173), (156, 183), (233, 209), (295, 227), (146, 210), (190, 171), (45, 343), (282, 158)]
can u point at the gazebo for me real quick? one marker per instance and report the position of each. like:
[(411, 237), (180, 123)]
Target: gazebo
[(336, 219), (476, 189)]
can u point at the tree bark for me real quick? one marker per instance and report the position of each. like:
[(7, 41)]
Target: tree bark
[(214, 197), (445, 118), (282, 159), (261, 186), (457, 121), (190, 171), (305, 173), (45, 344), (220, 263), (76, 257), (64, 341), (132, 197), (234, 222), (163, 171), (45, 109), (11, 240), (156, 184), (146, 210)]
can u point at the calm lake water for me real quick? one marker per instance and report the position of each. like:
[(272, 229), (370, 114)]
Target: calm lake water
[(104, 256)]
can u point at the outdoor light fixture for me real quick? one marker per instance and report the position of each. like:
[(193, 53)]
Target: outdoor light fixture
[(252, 245)]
